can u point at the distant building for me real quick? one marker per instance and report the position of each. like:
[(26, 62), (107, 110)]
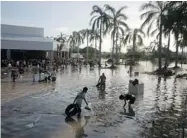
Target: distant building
[(21, 42)]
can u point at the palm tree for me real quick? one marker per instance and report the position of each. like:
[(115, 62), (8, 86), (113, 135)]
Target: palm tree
[(121, 43), (154, 12), (176, 22), (116, 27), (86, 33), (99, 22), (167, 54), (78, 39), (62, 38), (72, 43), (134, 36), (95, 36), (183, 44)]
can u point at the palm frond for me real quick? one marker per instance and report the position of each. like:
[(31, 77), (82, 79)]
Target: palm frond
[(148, 19), (126, 39), (93, 19), (122, 16), (160, 4), (148, 5), (123, 24), (122, 31), (140, 40), (150, 27), (122, 8), (147, 13), (130, 38), (96, 9), (141, 32), (110, 8), (154, 32), (99, 22)]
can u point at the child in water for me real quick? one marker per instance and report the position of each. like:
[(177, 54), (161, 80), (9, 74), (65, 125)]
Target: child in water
[(127, 97)]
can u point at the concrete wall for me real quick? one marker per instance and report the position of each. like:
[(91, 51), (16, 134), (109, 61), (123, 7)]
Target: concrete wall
[(12, 30)]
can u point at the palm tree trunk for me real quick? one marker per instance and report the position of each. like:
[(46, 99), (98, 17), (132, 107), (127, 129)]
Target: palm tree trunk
[(78, 52), (95, 50), (87, 51), (70, 51), (134, 41), (113, 51), (119, 52), (177, 48), (167, 54), (182, 55), (100, 41), (160, 46), (116, 48)]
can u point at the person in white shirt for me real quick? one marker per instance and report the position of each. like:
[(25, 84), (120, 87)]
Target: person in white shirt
[(17, 63), (79, 98), (9, 65)]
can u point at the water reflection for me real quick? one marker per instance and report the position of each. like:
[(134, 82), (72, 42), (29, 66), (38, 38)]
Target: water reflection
[(174, 90), (13, 85), (157, 98), (77, 126), (101, 93)]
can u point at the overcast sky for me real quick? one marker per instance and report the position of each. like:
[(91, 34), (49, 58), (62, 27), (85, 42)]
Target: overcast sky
[(65, 17)]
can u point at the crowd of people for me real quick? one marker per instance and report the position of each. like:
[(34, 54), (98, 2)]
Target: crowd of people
[(38, 66)]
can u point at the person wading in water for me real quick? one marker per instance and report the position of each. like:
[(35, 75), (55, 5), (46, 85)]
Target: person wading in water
[(101, 82)]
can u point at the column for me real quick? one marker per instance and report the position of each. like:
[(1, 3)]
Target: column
[(8, 54), (46, 54), (52, 55)]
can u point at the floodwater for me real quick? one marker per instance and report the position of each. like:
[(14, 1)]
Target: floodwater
[(159, 112)]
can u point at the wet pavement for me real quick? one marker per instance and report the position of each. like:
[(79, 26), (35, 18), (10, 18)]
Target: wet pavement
[(37, 110)]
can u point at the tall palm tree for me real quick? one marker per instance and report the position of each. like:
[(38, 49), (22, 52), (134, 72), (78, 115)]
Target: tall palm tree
[(86, 34), (72, 43), (117, 26), (134, 36), (154, 12), (77, 36), (94, 37), (121, 44), (176, 22), (183, 43), (62, 38), (99, 21), (167, 54)]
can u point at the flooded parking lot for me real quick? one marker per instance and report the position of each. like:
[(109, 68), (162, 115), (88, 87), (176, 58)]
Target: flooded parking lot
[(37, 110)]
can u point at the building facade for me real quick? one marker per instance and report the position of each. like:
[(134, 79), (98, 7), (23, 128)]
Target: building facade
[(21, 42)]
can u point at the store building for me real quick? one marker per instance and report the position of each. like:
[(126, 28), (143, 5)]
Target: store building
[(21, 42)]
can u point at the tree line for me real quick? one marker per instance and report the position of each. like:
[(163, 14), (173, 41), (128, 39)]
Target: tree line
[(160, 19)]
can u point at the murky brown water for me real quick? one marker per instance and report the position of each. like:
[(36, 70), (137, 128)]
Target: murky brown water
[(163, 102)]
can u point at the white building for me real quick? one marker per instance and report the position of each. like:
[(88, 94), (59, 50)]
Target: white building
[(21, 42)]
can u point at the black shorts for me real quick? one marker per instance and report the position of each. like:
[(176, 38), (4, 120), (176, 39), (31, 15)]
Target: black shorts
[(132, 100)]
